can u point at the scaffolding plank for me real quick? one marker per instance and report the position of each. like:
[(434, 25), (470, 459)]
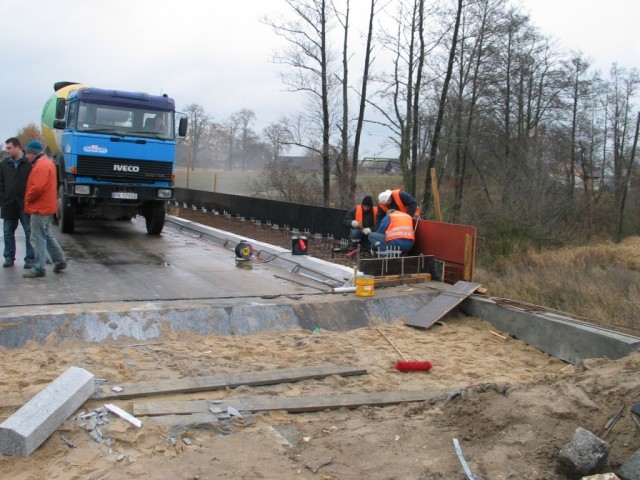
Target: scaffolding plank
[(309, 403), (217, 382), (441, 305)]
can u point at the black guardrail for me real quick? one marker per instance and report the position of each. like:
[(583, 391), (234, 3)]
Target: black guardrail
[(303, 217)]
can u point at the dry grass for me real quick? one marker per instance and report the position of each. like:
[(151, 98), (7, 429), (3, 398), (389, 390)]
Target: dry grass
[(599, 282)]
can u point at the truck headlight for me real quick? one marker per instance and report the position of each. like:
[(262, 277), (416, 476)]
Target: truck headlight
[(164, 193), (82, 190)]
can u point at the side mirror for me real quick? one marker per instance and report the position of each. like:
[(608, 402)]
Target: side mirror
[(59, 124), (61, 106), (182, 126)]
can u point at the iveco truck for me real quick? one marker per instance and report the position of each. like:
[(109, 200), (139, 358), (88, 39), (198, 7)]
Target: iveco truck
[(115, 153)]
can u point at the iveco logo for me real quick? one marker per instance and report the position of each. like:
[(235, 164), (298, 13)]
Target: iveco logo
[(126, 168)]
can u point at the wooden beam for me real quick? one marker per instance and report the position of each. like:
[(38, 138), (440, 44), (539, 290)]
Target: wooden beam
[(218, 382), (469, 258), (436, 195), (394, 280), (310, 403)]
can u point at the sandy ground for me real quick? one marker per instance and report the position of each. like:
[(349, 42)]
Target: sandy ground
[(510, 406)]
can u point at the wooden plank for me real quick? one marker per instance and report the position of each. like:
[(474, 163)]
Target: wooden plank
[(192, 420), (441, 305), (395, 280), (309, 403), (469, 258), (218, 382)]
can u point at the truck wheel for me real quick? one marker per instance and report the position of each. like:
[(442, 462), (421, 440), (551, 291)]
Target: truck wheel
[(66, 213), (154, 217)]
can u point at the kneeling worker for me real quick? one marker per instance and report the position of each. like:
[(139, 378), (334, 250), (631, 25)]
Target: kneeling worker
[(396, 200), (395, 230), (360, 219)]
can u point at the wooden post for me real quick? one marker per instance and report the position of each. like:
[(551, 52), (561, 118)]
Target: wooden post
[(436, 196), (467, 269)]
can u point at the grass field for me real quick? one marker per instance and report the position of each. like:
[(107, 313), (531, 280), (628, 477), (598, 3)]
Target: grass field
[(234, 182)]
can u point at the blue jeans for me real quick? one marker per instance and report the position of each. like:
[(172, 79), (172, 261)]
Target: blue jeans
[(379, 242), (357, 237), (9, 227), (44, 242)]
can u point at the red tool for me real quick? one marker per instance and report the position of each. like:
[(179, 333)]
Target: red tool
[(413, 366), (406, 365)]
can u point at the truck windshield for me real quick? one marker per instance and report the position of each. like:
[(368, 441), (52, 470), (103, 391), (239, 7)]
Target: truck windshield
[(119, 120)]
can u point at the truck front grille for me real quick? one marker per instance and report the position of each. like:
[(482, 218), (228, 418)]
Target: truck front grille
[(123, 169)]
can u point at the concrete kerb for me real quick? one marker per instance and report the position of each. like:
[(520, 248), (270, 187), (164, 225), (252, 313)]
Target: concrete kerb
[(31, 425), (563, 337), (331, 274)]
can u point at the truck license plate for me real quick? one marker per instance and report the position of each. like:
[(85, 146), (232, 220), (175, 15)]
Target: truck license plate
[(125, 195)]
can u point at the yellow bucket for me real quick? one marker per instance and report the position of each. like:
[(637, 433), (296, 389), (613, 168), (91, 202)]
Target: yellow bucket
[(365, 285)]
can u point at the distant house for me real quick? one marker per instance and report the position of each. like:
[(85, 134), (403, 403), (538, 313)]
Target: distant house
[(583, 179), (379, 165)]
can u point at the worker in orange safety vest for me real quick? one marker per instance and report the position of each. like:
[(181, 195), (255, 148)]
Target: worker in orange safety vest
[(396, 200), (360, 220), (395, 230)]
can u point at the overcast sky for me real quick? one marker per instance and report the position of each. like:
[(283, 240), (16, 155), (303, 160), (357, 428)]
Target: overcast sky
[(216, 53)]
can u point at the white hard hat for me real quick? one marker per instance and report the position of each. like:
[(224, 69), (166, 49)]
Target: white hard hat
[(384, 197)]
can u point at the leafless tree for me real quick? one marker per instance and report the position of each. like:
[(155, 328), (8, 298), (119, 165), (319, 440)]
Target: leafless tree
[(441, 106), (198, 121), (278, 137), (308, 59)]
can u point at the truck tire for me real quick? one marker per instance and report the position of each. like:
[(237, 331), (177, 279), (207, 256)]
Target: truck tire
[(154, 217), (66, 212)]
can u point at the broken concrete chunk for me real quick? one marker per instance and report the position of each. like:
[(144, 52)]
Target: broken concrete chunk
[(584, 455), (631, 468), (233, 412)]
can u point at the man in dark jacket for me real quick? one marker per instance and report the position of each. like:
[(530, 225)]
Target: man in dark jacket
[(14, 172), (360, 220)]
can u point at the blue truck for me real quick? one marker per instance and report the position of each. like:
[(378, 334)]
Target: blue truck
[(115, 152)]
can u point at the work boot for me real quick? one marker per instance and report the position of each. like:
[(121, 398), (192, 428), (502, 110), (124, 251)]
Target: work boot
[(59, 267), (28, 265), (8, 263), (33, 274)]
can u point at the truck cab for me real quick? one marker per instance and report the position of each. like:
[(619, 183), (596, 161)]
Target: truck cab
[(115, 153)]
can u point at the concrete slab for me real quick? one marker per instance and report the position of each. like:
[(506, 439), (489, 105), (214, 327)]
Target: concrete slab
[(31, 425)]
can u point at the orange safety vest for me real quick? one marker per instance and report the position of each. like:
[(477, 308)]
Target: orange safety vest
[(360, 214), (401, 206), (400, 226)]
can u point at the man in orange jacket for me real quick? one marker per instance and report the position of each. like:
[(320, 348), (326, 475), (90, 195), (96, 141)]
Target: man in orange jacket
[(40, 201)]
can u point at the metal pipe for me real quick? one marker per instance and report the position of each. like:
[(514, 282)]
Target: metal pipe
[(343, 289)]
